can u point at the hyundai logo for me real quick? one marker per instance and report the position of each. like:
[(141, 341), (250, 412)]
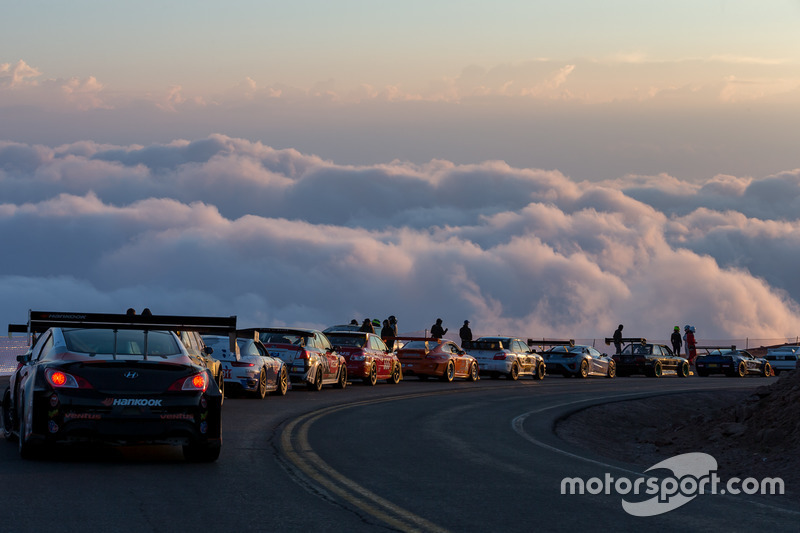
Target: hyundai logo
[(131, 375)]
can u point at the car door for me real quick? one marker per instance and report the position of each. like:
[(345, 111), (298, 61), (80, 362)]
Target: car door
[(382, 358), (330, 357), (28, 370), (267, 361), (521, 352)]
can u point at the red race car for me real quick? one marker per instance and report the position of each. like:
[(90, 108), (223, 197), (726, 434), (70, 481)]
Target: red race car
[(424, 357), (367, 356)]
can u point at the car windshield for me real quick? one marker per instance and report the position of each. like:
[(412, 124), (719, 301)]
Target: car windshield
[(283, 337), (416, 345), (558, 349), (637, 349), (125, 342), (356, 341)]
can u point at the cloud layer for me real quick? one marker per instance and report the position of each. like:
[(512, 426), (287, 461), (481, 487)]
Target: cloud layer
[(227, 226)]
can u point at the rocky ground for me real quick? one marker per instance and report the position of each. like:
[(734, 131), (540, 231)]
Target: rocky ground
[(750, 434)]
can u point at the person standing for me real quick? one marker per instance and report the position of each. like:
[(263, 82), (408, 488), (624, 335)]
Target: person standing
[(618, 339), (366, 326), (676, 341), (437, 332), (387, 335), (465, 333), (691, 344), (393, 325)]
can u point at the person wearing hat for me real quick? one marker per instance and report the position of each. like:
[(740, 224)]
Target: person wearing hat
[(366, 326), (676, 340), (465, 333)]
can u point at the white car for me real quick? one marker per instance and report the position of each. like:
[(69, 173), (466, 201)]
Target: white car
[(783, 358), (505, 356), (251, 369)]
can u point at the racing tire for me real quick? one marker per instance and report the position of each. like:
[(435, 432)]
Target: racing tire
[(683, 369), (372, 378), (741, 370), (612, 370), (8, 418), (449, 372), (655, 371), (766, 371), (583, 371), (473, 372), (396, 375), (540, 371), (282, 384), (261, 387), (201, 452), (341, 381), (316, 385), (513, 375)]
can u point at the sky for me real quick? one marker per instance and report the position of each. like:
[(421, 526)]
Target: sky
[(540, 168)]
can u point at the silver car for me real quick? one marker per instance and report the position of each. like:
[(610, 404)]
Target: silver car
[(579, 360)]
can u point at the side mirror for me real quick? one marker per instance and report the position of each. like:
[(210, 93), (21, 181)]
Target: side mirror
[(24, 358), (208, 350)]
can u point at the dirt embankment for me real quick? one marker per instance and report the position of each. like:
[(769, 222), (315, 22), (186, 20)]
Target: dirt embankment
[(750, 434)]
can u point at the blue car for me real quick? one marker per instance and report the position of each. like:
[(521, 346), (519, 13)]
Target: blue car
[(731, 362)]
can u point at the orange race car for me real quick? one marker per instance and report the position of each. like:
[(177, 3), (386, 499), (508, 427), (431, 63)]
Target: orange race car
[(424, 357)]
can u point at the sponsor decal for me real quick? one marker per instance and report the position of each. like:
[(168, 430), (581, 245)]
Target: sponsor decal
[(52, 427), (52, 414), (63, 316), (693, 474), (81, 416), (204, 427), (178, 416), (134, 402)]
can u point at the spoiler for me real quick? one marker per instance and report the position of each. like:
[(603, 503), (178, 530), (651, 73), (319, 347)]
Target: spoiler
[(550, 342), (40, 321), (731, 347), (640, 340)]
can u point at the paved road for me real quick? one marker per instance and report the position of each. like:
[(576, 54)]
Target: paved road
[(424, 456)]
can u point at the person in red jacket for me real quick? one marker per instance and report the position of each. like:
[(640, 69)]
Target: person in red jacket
[(691, 344)]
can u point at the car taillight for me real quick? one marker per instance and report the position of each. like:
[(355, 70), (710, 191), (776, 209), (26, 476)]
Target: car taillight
[(301, 354), (63, 380), (195, 382), (499, 356), (239, 363)]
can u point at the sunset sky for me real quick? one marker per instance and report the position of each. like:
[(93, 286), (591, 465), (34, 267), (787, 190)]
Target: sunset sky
[(546, 168)]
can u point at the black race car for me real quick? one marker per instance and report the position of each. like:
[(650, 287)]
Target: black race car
[(653, 360), (118, 379)]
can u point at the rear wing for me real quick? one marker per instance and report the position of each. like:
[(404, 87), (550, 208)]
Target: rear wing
[(631, 340), (731, 347), (550, 342), (41, 321)]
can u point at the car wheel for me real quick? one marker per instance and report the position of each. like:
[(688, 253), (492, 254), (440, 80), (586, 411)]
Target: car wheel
[(612, 370), (8, 417), (372, 378), (396, 375), (741, 370), (201, 452), (473, 372), (261, 388), (316, 385), (766, 371), (540, 371), (449, 372), (683, 369), (584, 369), (341, 382), (283, 382), (513, 375), (656, 370)]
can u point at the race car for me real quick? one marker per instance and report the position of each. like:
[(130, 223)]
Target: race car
[(579, 360), (505, 356), (731, 362), (249, 368), (783, 358), (308, 353), (367, 356), (116, 379), (426, 357), (652, 360)]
